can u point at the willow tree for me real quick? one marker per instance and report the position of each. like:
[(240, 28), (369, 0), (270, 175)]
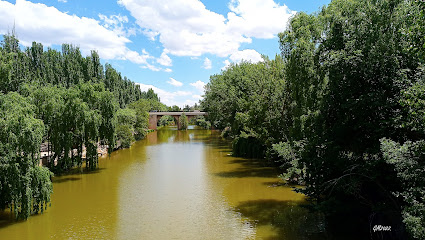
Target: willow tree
[(25, 186)]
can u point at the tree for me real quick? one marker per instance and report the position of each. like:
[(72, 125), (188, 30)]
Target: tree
[(107, 106), (347, 68), (141, 109), (70, 103), (25, 186), (175, 108), (249, 100), (125, 128), (184, 123)]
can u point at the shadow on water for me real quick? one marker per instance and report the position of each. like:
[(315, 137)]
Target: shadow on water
[(250, 168), (65, 179), (281, 183), (216, 143), (7, 218), (79, 171), (290, 219)]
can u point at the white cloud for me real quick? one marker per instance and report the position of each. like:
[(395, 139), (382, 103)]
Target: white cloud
[(175, 83), (207, 63), (116, 23), (135, 57), (178, 98), (64, 1), (249, 55), (164, 60), (199, 85), (226, 64), (187, 28), (155, 68), (31, 19), (150, 34), (258, 18), (113, 19)]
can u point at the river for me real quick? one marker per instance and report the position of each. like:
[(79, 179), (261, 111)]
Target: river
[(171, 185)]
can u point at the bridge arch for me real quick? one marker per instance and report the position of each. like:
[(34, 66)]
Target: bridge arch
[(155, 116)]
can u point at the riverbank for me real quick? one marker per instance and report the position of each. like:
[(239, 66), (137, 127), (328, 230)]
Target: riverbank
[(45, 154), (102, 150), (182, 181)]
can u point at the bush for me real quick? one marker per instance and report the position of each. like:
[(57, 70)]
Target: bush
[(125, 135), (289, 155), (248, 146), (184, 123), (200, 121)]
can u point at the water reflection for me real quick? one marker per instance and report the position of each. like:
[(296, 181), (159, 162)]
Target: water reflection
[(172, 185)]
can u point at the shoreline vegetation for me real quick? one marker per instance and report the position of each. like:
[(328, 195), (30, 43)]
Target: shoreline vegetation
[(63, 110), (341, 111), (60, 111)]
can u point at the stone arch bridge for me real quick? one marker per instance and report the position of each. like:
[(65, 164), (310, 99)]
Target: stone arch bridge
[(155, 116)]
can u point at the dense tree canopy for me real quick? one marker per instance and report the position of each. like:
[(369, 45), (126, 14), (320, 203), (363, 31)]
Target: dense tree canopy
[(68, 103), (342, 111), (25, 187), (249, 99)]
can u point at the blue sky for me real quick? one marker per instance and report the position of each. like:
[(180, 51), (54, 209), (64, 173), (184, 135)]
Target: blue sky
[(172, 46)]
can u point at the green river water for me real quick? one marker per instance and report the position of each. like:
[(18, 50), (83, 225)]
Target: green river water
[(171, 185)]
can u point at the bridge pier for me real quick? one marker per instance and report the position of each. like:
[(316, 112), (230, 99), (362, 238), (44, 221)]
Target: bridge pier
[(153, 121), (155, 116), (177, 118)]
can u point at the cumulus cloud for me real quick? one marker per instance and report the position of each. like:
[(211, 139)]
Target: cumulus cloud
[(151, 67), (178, 98), (199, 85), (31, 19), (226, 64), (258, 18), (207, 63), (164, 60), (175, 83), (116, 23), (249, 55), (188, 28)]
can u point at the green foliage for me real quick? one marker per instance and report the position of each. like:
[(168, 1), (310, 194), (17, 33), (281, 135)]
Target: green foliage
[(184, 123), (125, 128), (413, 102), (141, 108), (174, 108), (202, 122), (25, 186), (349, 76), (125, 135), (289, 155), (126, 116), (248, 99), (71, 103), (166, 120), (246, 145), (408, 161), (151, 95), (352, 79)]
